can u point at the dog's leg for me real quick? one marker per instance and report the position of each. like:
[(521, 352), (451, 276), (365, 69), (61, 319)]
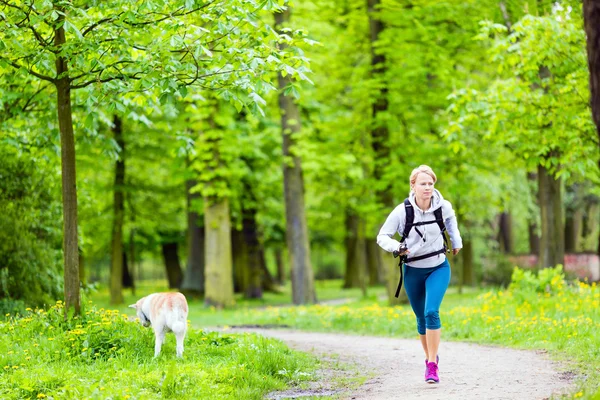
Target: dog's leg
[(179, 337), (160, 338)]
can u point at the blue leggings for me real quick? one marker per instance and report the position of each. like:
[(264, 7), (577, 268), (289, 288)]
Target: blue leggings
[(425, 288)]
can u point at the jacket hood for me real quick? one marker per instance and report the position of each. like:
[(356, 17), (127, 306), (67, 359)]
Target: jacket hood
[(436, 201)]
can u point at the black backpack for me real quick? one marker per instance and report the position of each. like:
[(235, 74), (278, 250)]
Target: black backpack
[(408, 225)]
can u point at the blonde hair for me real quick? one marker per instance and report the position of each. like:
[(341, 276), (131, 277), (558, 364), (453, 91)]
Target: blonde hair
[(425, 169)]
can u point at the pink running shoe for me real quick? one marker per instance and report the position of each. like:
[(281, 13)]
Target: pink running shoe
[(437, 361), (431, 373)]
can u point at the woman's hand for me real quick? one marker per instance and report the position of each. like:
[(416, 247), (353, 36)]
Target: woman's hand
[(455, 251)]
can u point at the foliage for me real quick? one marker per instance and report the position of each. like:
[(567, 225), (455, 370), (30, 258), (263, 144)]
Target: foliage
[(30, 231), (105, 354), (538, 105)]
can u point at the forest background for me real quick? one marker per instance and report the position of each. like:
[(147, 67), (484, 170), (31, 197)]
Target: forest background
[(183, 140)]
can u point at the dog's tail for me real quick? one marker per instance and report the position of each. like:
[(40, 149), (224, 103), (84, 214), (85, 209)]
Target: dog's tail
[(180, 323)]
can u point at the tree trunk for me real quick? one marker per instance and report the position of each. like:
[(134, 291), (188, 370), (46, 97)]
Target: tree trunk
[(127, 276), (532, 224), (377, 272), (69, 175), (380, 137), (132, 259), (253, 288), (193, 280), (505, 237), (356, 252), (82, 271), (303, 289), (240, 261), (552, 241), (173, 267), (116, 265), (591, 17), (574, 210), (218, 262), (280, 265), (468, 275), (268, 282)]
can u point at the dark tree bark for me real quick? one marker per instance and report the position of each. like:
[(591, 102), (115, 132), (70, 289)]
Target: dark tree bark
[(172, 265), (505, 235), (239, 258), (127, 276), (131, 257), (268, 282), (69, 175), (468, 275), (193, 280), (591, 17), (375, 264), (116, 265), (356, 253), (254, 286), (303, 289), (280, 266), (552, 250), (574, 211), (532, 224), (82, 267)]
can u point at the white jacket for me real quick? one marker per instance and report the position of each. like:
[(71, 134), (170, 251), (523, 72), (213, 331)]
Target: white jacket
[(431, 232)]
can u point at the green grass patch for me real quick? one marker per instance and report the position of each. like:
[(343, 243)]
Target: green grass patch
[(103, 354)]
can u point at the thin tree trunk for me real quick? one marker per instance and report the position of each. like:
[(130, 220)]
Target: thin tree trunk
[(591, 17), (505, 235), (132, 259), (170, 254), (218, 263), (356, 255), (127, 277), (377, 270), (193, 280), (532, 224), (116, 265), (69, 175), (573, 218), (468, 275), (303, 289), (552, 241), (253, 288), (268, 282), (280, 265), (82, 271), (239, 260)]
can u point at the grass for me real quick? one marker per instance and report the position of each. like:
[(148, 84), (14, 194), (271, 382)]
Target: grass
[(105, 355), (538, 311)]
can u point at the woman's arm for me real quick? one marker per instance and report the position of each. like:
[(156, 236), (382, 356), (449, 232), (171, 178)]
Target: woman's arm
[(393, 224)]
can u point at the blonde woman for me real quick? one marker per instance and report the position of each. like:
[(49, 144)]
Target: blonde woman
[(423, 247)]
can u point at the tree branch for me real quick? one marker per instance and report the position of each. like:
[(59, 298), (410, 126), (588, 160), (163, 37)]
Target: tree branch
[(103, 80), (29, 70)]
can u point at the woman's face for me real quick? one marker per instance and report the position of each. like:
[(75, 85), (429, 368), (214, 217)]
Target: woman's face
[(423, 186)]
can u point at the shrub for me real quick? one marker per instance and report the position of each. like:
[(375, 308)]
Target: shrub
[(30, 232)]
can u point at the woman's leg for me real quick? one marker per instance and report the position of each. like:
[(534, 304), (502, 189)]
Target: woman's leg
[(414, 284), (436, 284)]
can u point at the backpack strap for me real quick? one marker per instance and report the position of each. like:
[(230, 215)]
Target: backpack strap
[(410, 217), (439, 218)]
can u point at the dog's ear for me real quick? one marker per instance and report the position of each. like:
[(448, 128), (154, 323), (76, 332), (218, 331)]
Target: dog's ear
[(133, 306)]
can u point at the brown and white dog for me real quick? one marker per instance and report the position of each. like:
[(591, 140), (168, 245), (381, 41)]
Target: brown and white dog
[(165, 312)]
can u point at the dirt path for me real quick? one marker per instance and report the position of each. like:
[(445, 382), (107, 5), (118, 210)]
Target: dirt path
[(396, 369)]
